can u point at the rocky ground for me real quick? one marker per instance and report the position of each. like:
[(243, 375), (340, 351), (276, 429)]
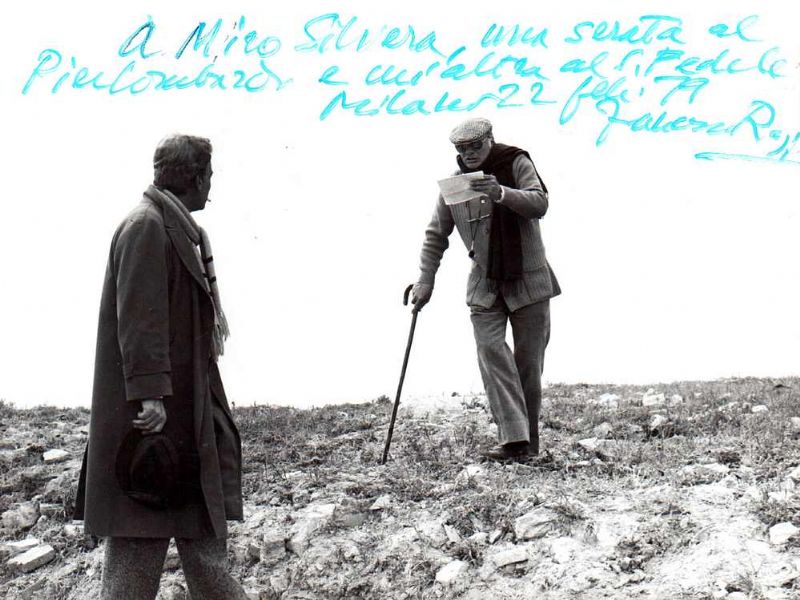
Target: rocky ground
[(687, 490)]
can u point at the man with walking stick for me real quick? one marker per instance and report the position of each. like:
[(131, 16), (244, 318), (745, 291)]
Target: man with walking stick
[(510, 279)]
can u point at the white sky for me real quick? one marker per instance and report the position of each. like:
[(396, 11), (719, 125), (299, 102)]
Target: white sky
[(672, 268)]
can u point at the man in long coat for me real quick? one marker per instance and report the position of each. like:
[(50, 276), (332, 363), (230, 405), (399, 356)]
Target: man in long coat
[(160, 418), (510, 280)]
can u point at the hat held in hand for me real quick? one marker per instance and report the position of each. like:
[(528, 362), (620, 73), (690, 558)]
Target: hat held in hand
[(147, 468)]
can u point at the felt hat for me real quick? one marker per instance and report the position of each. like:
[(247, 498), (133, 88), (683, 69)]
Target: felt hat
[(471, 130), (147, 468)]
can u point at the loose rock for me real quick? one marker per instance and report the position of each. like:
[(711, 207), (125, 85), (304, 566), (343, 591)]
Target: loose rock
[(452, 572), (272, 550), (610, 401), (603, 430), (535, 524), (509, 557), (382, 503), (33, 558), (55, 456), (658, 423), (8, 549), (650, 400), (779, 534), (21, 517)]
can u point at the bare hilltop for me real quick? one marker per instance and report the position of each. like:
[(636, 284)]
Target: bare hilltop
[(684, 490)]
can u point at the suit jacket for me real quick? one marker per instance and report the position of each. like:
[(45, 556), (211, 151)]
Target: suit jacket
[(154, 339), (473, 221)]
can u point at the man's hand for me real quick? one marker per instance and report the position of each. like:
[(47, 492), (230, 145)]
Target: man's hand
[(420, 294), (487, 185), (152, 417)]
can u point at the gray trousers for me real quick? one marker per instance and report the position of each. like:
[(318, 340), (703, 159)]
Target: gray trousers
[(133, 566), (513, 380)]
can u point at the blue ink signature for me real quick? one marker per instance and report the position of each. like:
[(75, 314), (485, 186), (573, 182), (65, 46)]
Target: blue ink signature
[(133, 81), (329, 32), (649, 29), (506, 96)]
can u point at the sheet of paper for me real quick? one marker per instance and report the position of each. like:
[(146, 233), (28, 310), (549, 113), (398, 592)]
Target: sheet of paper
[(456, 189)]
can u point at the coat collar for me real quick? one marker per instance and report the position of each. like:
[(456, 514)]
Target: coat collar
[(183, 245)]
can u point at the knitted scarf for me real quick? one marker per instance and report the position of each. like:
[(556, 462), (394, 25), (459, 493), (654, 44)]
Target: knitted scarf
[(199, 238), (505, 241)]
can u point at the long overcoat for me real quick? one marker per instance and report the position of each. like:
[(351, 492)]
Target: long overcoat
[(154, 339)]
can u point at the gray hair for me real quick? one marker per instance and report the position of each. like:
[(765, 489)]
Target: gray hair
[(178, 160)]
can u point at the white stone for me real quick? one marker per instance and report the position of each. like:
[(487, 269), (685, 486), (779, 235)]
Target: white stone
[(675, 400), (781, 496), (350, 551), (495, 535), (603, 430), (472, 472), (754, 493), (716, 468), (589, 444), (279, 583), (509, 556), (451, 572), (737, 596), (382, 503), (658, 422), (780, 533), (480, 538), (433, 531), (654, 400), (399, 541), (794, 423), (33, 558), (535, 524), (22, 516), (312, 518), (15, 548), (794, 474), (728, 407), (348, 515), (452, 534), (777, 594), (610, 401), (56, 455), (272, 549), (759, 408)]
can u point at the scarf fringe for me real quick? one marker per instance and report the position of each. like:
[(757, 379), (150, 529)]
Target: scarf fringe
[(198, 236)]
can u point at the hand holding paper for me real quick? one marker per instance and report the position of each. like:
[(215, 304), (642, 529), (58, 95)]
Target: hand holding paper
[(457, 189)]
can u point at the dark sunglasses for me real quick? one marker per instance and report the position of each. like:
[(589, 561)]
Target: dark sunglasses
[(476, 145)]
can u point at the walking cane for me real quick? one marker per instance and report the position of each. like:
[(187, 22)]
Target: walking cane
[(414, 313)]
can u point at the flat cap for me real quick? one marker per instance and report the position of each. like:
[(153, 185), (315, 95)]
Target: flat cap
[(470, 130)]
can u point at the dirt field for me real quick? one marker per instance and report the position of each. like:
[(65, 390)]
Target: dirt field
[(685, 490)]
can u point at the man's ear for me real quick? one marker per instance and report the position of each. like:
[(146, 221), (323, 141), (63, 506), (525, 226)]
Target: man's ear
[(199, 180)]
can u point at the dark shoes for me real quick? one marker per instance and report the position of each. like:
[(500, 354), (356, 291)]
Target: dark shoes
[(510, 451)]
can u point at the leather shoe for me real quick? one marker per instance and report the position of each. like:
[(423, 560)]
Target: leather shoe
[(510, 451)]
